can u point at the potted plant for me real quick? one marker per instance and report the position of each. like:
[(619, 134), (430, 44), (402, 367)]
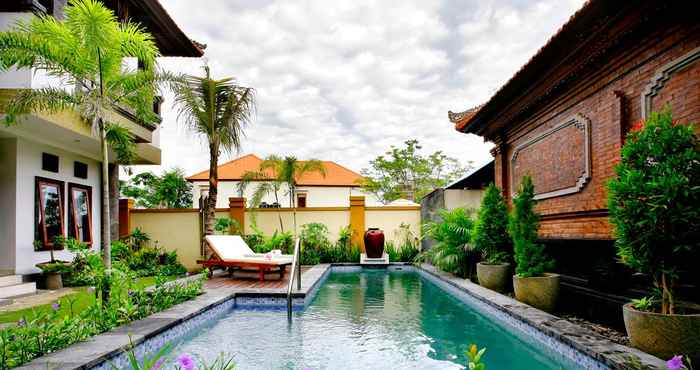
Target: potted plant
[(51, 270), (532, 285), (492, 240), (653, 205)]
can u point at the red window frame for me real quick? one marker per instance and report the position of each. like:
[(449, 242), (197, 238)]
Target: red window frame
[(40, 224), (73, 209)]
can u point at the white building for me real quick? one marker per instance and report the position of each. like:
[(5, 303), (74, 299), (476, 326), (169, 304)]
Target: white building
[(50, 163), (314, 190)]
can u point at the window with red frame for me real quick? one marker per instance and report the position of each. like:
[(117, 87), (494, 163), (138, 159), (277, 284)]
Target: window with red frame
[(48, 212), (80, 213)]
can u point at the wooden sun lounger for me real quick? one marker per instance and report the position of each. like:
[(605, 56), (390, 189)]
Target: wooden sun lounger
[(248, 260)]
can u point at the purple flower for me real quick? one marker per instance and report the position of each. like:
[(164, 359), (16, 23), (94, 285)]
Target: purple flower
[(157, 365), (22, 322), (676, 363), (91, 289), (131, 293), (56, 306), (186, 362)]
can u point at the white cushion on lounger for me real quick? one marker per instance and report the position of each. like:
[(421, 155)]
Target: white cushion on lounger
[(234, 248)]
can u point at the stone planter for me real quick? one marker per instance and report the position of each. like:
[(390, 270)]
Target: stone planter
[(53, 281), (494, 277), (539, 291), (665, 335)]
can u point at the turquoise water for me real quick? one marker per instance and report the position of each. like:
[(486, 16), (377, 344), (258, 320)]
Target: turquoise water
[(375, 319)]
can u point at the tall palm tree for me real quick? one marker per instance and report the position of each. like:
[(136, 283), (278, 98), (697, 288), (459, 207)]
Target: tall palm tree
[(86, 50), (218, 110), (289, 170)]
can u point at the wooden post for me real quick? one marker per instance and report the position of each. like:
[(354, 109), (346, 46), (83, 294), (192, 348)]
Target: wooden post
[(357, 221), (236, 211), (125, 207)]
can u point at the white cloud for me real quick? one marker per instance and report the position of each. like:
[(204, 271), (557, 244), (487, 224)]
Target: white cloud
[(343, 80)]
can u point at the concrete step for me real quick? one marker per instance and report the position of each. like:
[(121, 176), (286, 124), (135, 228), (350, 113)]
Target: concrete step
[(17, 290), (10, 280)]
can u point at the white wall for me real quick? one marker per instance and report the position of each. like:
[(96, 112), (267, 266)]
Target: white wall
[(316, 196), (8, 190), (28, 167)]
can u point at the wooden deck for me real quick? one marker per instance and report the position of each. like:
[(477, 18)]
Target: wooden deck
[(248, 280)]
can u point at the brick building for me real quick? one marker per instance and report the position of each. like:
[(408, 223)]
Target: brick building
[(562, 119)]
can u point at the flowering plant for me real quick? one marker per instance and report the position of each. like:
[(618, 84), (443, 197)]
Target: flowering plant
[(475, 355)]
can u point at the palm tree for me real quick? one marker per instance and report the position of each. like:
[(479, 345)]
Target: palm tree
[(217, 110), (267, 185), (86, 51), (289, 170)]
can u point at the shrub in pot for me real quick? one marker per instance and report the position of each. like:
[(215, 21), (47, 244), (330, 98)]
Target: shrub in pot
[(532, 285), (653, 205), (52, 270), (492, 240)]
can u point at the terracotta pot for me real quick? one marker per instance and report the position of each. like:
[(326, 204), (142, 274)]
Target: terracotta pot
[(540, 292), (53, 281), (374, 243), (494, 277), (665, 335)]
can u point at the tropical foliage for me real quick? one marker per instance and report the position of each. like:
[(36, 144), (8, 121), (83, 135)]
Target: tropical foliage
[(491, 236), (530, 257), (407, 248), (48, 331), (169, 190), (86, 51), (406, 173), (453, 251), (218, 111), (654, 200)]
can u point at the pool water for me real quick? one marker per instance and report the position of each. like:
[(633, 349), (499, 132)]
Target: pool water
[(374, 319)]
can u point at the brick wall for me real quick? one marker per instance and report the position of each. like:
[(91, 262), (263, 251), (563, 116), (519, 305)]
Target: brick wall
[(612, 101)]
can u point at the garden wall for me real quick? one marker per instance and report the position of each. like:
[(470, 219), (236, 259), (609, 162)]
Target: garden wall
[(179, 229)]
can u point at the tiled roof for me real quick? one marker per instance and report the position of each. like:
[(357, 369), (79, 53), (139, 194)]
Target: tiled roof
[(336, 175)]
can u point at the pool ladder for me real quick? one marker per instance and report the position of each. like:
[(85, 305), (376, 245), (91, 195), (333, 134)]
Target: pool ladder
[(295, 275)]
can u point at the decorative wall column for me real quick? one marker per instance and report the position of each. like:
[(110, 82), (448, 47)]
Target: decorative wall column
[(125, 207), (357, 221), (236, 211)]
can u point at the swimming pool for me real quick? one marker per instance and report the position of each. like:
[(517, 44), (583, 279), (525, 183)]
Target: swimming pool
[(368, 319)]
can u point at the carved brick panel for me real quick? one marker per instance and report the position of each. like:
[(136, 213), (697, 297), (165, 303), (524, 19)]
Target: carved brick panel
[(558, 160)]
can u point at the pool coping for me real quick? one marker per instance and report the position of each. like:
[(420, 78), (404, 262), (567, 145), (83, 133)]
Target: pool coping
[(583, 340), (103, 347)]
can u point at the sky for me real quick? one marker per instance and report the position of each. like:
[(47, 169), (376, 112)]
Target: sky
[(345, 80)]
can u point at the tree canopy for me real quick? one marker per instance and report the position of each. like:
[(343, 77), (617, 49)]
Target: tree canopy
[(169, 190), (407, 173)]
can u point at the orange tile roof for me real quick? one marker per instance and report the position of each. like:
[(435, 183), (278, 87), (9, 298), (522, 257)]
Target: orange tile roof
[(336, 175)]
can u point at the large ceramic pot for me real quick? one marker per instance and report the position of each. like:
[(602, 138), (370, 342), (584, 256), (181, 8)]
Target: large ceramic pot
[(665, 335), (494, 277), (538, 291), (374, 243)]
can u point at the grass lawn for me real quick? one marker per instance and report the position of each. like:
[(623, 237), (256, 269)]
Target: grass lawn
[(77, 301)]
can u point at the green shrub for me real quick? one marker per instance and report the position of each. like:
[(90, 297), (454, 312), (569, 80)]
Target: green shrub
[(654, 200), (227, 226), (530, 257), (282, 241), (452, 234), (491, 236), (315, 246), (391, 251), (48, 331)]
